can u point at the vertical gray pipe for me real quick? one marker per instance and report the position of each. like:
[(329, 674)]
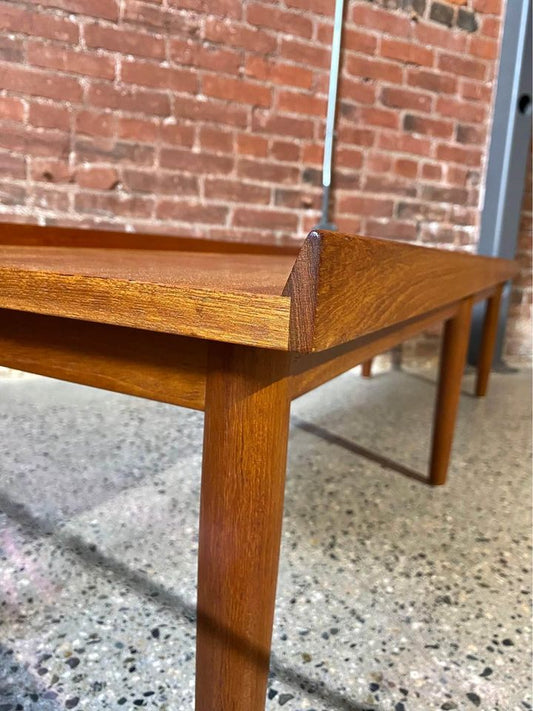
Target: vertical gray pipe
[(324, 223)]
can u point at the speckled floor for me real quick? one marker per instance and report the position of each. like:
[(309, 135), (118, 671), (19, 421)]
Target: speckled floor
[(392, 595)]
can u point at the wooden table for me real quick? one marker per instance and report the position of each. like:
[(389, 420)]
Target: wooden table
[(238, 331)]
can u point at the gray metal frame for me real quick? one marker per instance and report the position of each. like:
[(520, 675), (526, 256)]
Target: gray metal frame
[(508, 158)]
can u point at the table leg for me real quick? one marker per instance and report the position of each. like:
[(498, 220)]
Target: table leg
[(452, 363), (243, 479), (366, 368), (488, 341)]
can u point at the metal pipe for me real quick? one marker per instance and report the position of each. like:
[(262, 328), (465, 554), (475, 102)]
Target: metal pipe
[(330, 119)]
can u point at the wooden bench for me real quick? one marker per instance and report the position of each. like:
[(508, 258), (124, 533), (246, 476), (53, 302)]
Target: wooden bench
[(238, 331)]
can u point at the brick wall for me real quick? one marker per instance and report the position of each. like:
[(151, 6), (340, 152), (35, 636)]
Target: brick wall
[(207, 117)]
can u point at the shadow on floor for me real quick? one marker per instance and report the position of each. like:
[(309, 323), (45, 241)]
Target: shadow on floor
[(92, 558), (339, 441)]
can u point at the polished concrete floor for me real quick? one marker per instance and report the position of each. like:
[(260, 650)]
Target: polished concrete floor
[(392, 595)]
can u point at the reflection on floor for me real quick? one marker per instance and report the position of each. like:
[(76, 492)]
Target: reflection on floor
[(392, 595)]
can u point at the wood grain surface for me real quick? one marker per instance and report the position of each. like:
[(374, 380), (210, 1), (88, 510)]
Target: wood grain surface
[(156, 366), (243, 479), (362, 285)]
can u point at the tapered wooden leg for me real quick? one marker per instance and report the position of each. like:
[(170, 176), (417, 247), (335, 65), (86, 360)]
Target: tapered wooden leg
[(452, 363), (366, 368), (488, 340), (243, 479)]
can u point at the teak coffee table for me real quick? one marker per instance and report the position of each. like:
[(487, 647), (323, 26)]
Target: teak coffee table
[(238, 331)]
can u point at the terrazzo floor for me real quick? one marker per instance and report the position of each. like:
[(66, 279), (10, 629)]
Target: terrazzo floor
[(392, 595)]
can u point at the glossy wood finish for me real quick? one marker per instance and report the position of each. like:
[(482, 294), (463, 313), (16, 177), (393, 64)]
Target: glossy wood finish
[(245, 449), (240, 330), (309, 370), (345, 286), (452, 364), (366, 368), (155, 366), (488, 341)]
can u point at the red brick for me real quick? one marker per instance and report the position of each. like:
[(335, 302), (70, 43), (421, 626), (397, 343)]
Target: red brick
[(484, 47), (189, 211), (212, 111), (490, 7), (235, 191), (292, 23), (50, 56), (349, 158), (285, 151), (378, 162), (106, 150), (134, 129), (50, 199), (430, 34), (196, 163), (96, 123), (297, 200), (266, 172), (322, 7), (305, 53), (213, 140), (135, 100), (158, 77), (432, 81), (406, 167), (363, 205), (14, 18), (248, 144), (11, 49), (50, 170), (363, 68), (389, 184), (238, 35), (294, 102), (12, 194), (112, 204), (222, 8), (355, 136), (473, 68), (313, 154), (190, 52), (33, 142), (432, 171), (371, 116), (404, 143), (427, 126), (476, 91), (462, 110), (457, 154), (146, 15), (237, 90), (381, 19), (355, 40), (490, 27), (471, 134), (359, 91), (282, 125), (278, 73), (37, 83), (391, 229), (12, 166), (11, 109), (160, 182), (123, 40), (103, 9), (272, 219), (406, 52), (97, 178), (405, 99), (438, 193), (49, 116)]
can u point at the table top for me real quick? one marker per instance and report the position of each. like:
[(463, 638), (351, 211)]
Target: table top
[(333, 289)]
